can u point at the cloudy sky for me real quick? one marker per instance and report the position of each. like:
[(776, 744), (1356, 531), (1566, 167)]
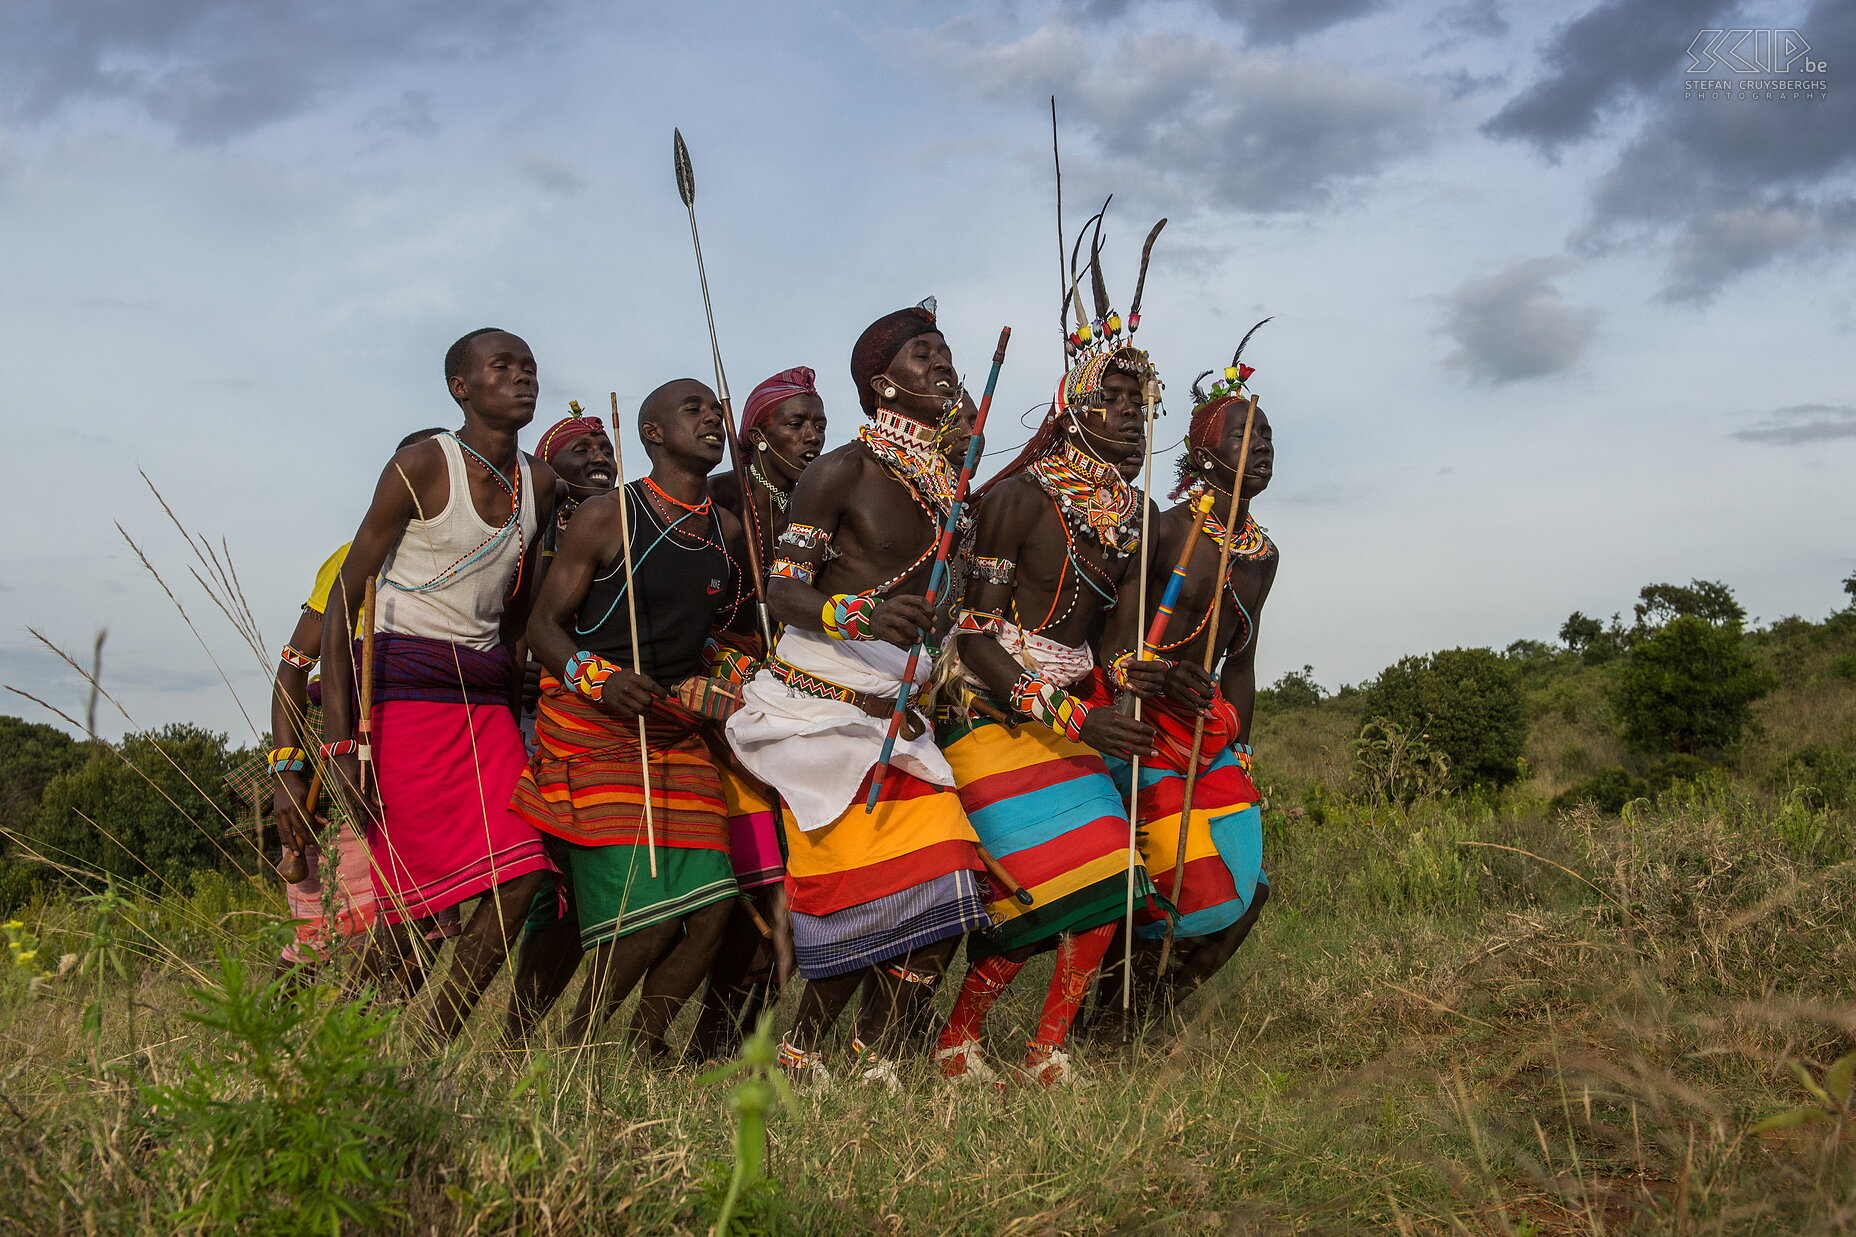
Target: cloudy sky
[(1545, 330)]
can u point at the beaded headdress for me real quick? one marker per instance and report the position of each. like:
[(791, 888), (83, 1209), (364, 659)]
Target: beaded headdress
[(1208, 409), (1096, 346)]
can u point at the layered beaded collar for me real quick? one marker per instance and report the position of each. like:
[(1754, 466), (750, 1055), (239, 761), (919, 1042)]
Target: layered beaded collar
[(907, 448), (1252, 541), (1092, 497)]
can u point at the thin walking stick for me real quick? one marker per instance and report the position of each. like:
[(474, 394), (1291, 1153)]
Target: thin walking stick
[(631, 608), (1211, 655), (364, 729), (1151, 394)]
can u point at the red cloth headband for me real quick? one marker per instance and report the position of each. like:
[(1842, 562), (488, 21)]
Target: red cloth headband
[(763, 399), (563, 432)]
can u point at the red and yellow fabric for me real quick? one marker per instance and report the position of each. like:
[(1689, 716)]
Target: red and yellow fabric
[(1048, 811), (1224, 838), (585, 783)]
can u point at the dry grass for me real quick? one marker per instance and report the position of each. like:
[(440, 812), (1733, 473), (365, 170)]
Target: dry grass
[(1432, 1032)]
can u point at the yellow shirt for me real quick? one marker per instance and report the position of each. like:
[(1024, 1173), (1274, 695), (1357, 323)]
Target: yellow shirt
[(318, 602)]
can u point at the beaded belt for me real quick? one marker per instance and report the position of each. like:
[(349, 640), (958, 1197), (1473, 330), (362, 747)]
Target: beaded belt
[(808, 684)]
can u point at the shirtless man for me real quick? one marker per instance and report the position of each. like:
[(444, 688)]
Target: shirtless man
[(1057, 544), (451, 533), (1223, 887), (896, 888)]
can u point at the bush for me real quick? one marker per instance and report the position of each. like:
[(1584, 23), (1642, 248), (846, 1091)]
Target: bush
[(1825, 775), (1660, 604), (1688, 686), (1467, 703), (31, 755), (1296, 689), (1610, 789), (153, 807)]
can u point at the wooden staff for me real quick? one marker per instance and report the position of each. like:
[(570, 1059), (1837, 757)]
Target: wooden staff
[(364, 728), (1211, 655), (686, 189), (938, 576), (1151, 394), (631, 608)]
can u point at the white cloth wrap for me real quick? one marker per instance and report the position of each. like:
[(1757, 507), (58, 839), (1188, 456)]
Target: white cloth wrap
[(819, 777), (1064, 664)]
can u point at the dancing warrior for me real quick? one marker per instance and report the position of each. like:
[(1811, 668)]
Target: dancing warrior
[(783, 429), (1056, 544), (1223, 887), (896, 888), (651, 892), (451, 532)]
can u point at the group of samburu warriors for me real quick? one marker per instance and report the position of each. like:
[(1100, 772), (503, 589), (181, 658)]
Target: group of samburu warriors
[(1002, 818)]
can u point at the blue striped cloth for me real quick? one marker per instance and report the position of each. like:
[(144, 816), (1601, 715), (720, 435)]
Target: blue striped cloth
[(873, 932)]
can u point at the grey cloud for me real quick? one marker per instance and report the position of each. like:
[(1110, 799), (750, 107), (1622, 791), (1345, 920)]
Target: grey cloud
[(1268, 23), (213, 69), (410, 114), (1196, 120), (1727, 186), (1803, 423), (551, 173), (1515, 325), (1478, 18), (1598, 59)]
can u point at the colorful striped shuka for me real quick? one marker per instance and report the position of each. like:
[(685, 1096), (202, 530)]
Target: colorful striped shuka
[(585, 786), (871, 886), (1049, 813), (1224, 839)]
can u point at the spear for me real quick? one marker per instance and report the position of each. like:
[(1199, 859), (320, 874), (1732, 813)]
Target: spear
[(1211, 655), (631, 606), (938, 575), (686, 189)]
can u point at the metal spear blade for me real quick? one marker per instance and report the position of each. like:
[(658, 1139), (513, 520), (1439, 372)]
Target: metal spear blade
[(686, 176)]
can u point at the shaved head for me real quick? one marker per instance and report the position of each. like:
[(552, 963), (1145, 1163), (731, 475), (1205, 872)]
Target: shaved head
[(659, 402)]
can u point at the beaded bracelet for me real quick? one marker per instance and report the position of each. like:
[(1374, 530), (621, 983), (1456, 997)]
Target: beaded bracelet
[(297, 657), (792, 569), (587, 673), (1118, 669), (1246, 760), (288, 760), (341, 747), (1042, 700), (847, 616)]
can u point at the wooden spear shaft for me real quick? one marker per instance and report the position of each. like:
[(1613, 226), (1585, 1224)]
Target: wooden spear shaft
[(1151, 394), (631, 610), (1211, 656)]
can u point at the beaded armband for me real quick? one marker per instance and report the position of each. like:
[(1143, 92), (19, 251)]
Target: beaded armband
[(1041, 700), (804, 537), (341, 747), (847, 616), (994, 571), (1118, 669), (288, 760), (979, 622), (1246, 759), (587, 673), (793, 569), (297, 657), (728, 664)]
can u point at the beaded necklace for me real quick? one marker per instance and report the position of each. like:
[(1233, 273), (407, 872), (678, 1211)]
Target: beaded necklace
[(514, 490), (1252, 541), (907, 449), (1092, 498), (778, 497)]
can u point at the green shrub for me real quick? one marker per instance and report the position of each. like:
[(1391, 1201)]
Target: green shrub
[(1296, 689), (1466, 703), (1688, 686), (1824, 775), (150, 809), (288, 1121)]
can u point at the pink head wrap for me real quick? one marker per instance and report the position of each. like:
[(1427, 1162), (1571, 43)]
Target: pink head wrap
[(563, 432), (763, 399)]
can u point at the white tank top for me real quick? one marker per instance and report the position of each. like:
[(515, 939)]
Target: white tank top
[(449, 577)]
